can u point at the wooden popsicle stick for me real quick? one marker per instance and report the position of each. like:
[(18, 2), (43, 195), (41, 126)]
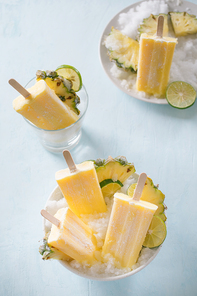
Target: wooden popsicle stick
[(70, 162), (19, 88), (140, 185), (160, 23), (50, 218)]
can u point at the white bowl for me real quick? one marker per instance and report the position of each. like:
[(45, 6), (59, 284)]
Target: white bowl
[(55, 196)]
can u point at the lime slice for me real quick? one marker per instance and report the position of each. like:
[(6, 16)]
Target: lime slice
[(109, 187), (131, 189), (156, 233), (71, 73), (180, 95)]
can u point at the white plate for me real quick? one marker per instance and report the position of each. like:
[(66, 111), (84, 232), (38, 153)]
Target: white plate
[(105, 59), (55, 196)]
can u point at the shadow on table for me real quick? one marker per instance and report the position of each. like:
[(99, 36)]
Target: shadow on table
[(169, 111), (86, 149)]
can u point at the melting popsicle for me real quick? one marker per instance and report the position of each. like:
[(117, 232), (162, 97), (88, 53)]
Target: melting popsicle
[(155, 59), (71, 235), (80, 187), (40, 105), (129, 222)]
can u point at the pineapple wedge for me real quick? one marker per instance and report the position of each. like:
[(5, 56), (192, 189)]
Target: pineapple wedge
[(123, 50), (62, 88), (114, 168), (183, 23), (153, 195), (49, 252), (149, 25)]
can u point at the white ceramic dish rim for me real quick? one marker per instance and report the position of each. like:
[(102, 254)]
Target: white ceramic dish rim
[(108, 278), (104, 59)]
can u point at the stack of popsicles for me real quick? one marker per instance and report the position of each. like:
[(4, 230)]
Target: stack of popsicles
[(128, 225)]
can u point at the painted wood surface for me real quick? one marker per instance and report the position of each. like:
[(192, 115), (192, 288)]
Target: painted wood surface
[(160, 140)]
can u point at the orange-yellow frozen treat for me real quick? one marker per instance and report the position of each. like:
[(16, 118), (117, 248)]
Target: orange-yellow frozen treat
[(44, 108), (128, 225), (155, 59)]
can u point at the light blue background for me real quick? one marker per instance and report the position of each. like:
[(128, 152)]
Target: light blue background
[(160, 140)]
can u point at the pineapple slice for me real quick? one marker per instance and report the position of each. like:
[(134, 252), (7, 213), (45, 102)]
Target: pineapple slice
[(123, 50), (72, 101), (62, 88), (149, 25), (183, 23), (151, 194), (49, 252), (114, 168)]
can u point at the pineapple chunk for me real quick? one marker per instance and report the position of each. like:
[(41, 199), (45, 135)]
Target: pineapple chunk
[(123, 50), (151, 194), (62, 88), (183, 23), (72, 101), (149, 25), (114, 168), (49, 252)]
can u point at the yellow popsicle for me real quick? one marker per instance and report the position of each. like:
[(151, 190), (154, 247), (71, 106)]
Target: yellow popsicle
[(44, 109), (128, 225), (73, 237), (81, 189), (155, 59)]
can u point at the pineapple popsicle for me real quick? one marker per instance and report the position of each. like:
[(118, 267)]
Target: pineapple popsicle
[(72, 237), (44, 109), (80, 187), (128, 225), (155, 59)]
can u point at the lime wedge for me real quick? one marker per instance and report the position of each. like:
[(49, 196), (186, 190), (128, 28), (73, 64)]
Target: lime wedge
[(109, 187), (71, 73), (180, 95), (131, 189), (156, 233)]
